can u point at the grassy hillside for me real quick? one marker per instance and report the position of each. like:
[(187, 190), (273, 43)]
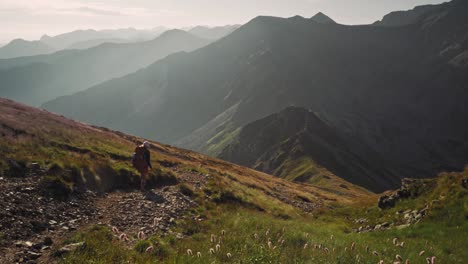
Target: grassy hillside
[(254, 217), (298, 145), (250, 236)]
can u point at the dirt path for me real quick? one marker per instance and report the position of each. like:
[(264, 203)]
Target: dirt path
[(32, 226)]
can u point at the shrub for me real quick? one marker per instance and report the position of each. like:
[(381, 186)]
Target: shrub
[(56, 187), (141, 246), (14, 168), (55, 169), (186, 190), (161, 177)]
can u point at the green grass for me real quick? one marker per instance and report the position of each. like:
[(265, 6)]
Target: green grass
[(247, 232), (218, 142)]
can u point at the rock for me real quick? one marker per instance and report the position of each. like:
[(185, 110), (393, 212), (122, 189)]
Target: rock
[(19, 244), (48, 241), (386, 224), (387, 201), (33, 255), (38, 226), (45, 248), (16, 169), (361, 221), (465, 183), (35, 167), (69, 248), (28, 243), (402, 226)]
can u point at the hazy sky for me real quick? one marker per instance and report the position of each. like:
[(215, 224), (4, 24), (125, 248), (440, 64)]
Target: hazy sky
[(29, 19)]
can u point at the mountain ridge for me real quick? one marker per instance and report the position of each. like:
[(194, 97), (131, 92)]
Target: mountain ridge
[(387, 102), (94, 65)]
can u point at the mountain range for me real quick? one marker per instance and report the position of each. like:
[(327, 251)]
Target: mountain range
[(37, 79), (20, 47), (398, 91), (85, 39)]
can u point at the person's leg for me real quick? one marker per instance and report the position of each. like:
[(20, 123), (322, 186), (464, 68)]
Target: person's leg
[(143, 181)]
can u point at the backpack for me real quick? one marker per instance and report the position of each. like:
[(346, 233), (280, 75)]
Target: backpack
[(138, 158)]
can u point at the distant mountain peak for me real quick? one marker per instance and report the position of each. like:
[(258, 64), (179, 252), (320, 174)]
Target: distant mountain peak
[(17, 41), (45, 37), (322, 18), (173, 32)]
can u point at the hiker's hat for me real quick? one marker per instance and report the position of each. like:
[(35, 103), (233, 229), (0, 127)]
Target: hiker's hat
[(146, 144)]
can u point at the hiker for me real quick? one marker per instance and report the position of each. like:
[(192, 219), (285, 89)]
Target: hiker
[(141, 161)]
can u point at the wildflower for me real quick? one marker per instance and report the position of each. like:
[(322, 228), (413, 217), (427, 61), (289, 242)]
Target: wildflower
[(199, 254), (149, 249), (273, 248), (229, 255), (381, 262), (269, 244), (141, 235), (267, 232), (433, 260), (326, 250), (212, 251), (189, 252), (213, 238), (422, 253), (346, 249), (398, 257), (123, 236), (331, 237), (223, 232), (428, 260), (115, 230), (256, 236), (402, 244), (282, 242), (305, 245), (218, 247), (283, 229), (306, 235), (353, 245), (395, 241), (407, 261), (375, 253), (220, 240)]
